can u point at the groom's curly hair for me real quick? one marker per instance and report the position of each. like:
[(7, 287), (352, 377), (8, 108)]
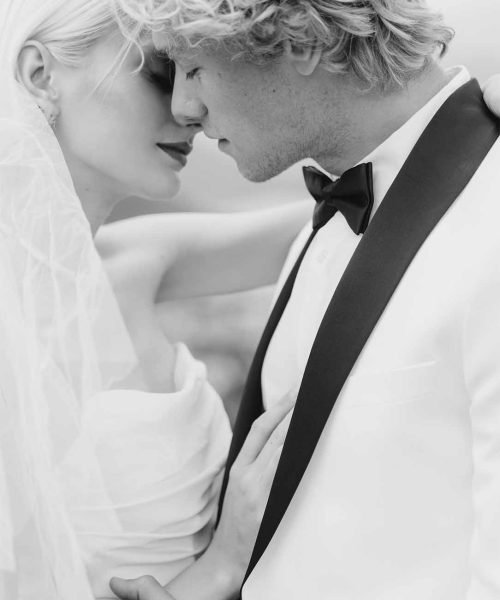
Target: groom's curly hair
[(383, 42)]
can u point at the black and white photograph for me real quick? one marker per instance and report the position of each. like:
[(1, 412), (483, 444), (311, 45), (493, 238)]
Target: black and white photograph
[(249, 300)]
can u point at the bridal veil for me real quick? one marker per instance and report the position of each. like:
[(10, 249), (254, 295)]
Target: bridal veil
[(62, 340)]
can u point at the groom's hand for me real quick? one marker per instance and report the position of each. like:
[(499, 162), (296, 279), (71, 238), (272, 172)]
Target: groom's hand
[(492, 94), (143, 588)]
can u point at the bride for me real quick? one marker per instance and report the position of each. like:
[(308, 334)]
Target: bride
[(111, 439)]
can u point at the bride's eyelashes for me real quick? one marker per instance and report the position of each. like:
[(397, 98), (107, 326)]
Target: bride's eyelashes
[(161, 72), (163, 83)]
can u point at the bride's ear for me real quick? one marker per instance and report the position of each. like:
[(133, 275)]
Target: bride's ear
[(304, 60), (35, 70)]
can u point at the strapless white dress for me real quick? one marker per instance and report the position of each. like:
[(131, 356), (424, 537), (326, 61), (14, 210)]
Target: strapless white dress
[(161, 457)]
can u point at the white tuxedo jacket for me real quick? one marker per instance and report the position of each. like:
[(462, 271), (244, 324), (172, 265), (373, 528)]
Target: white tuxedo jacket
[(401, 500)]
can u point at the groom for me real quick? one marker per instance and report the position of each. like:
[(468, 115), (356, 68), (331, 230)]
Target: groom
[(389, 313)]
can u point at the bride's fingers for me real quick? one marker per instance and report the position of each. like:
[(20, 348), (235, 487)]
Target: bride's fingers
[(262, 429), (269, 472), (273, 446), (143, 588), (492, 94)]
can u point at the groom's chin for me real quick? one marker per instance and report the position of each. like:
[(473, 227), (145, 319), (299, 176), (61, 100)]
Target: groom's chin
[(257, 173)]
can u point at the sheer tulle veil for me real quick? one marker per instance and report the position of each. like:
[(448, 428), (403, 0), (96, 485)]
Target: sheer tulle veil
[(62, 340)]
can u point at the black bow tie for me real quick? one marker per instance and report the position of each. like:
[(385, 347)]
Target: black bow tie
[(352, 195)]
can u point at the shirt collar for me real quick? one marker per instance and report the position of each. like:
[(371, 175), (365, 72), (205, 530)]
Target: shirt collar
[(389, 157)]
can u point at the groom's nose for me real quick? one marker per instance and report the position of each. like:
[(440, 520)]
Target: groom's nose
[(187, 108)]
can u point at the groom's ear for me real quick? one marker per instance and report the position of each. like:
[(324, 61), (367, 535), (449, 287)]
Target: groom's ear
[(35, 70), (304, 60)]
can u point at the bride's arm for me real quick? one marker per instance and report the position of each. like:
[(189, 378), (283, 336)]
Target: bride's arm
[(191, 254)]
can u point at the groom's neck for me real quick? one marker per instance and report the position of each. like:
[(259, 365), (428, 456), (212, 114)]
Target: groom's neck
[(373, 117)]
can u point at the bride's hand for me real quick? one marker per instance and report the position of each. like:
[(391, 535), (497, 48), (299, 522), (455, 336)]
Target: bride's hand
[(143, 588), (219, 572), (249, 484), (492, 94)]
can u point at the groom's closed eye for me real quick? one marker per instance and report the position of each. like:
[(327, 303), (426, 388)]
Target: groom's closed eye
[(192, 73)]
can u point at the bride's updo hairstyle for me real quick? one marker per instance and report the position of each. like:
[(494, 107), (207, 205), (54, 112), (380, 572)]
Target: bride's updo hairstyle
[(385, 43), (72, 27), (67, 28)]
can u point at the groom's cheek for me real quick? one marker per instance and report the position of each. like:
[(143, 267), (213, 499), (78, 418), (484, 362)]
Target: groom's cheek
[(492, 94)]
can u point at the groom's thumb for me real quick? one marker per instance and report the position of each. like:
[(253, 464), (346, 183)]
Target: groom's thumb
[(143, 588), (492, 94)]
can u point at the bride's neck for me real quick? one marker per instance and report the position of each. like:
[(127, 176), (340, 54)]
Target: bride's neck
[(97, 203), (98, 195)]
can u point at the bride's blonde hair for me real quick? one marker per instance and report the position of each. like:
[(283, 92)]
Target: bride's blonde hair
[(68, 29), (71, 27)]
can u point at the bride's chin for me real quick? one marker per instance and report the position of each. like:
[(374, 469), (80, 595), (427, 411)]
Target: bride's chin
[(165, 194), (161, 187)]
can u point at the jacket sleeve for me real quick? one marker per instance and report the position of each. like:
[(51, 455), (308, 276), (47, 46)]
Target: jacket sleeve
[(481, 355)]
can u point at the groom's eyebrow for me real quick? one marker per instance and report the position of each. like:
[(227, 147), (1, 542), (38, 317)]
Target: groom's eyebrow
[(182, 56)]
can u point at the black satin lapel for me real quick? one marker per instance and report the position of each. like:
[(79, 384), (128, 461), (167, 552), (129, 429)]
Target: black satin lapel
[(251, 403), (438, 169)]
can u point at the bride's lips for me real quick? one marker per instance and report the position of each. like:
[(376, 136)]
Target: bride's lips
[(178, 151)]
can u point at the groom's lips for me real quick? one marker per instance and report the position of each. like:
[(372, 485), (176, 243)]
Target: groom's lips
[(178, 151)]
